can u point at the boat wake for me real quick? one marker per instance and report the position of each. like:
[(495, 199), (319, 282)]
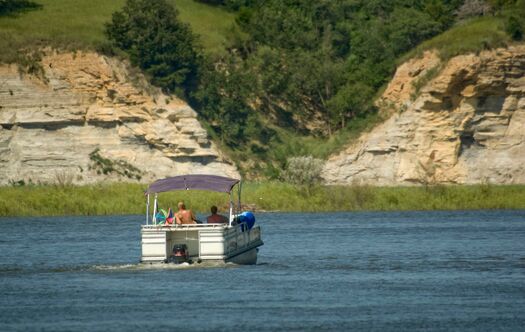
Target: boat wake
[(14, 270), (161, 266)]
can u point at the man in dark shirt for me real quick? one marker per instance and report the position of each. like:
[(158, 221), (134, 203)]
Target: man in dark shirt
[(216, 218)]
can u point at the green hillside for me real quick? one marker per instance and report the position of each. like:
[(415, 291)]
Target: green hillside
[(471, 36), (80, 24), (275, 78), (212, 24)]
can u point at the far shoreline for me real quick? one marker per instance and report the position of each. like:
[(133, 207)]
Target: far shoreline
[(268, 197)]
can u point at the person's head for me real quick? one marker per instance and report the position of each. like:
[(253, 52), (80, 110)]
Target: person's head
[(213, 209), (181, 205)]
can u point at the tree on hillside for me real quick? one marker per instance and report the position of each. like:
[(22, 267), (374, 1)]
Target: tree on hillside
[(223, 100), (309, 66), (330, 57), (150, 32), (515, 25), (9, 7), (231, 4)]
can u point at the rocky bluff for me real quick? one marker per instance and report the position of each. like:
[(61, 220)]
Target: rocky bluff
[(88, 119), (462, 121)]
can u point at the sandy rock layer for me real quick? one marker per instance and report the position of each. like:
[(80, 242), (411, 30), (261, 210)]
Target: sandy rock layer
[(90, 119), (457, 122)]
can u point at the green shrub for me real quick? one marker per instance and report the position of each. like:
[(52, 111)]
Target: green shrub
[(106, 166), (30, 62), (515, 24), (303, 171)]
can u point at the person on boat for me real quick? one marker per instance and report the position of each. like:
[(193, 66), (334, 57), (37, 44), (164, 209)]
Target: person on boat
[(216, 218), (184, 216)]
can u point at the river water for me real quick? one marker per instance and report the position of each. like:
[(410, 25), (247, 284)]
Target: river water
[(436, 271)]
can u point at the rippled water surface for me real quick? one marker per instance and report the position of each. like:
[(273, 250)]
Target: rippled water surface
[(362, 271)]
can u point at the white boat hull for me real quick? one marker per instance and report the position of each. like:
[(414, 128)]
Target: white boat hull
[(208, 242), (246, 258)]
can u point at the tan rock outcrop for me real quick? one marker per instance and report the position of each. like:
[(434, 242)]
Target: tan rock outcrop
[(467, 125), (88, 122), (403, 86)]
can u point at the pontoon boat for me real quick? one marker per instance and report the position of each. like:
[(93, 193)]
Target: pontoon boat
[(236, 241)]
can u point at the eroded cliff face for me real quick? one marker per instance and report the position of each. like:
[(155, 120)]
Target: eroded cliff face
[(465, 125), (87, 122)]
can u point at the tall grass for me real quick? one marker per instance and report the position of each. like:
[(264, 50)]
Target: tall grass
[(67, 24), (79, 24), (213, 24), (122, 198), (275, 196), (471, 36)]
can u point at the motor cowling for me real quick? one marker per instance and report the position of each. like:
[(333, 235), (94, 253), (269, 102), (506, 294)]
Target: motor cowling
[(179, 254)]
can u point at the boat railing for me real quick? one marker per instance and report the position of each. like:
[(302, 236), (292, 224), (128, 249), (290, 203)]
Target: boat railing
[(184, 226), (241, 227), (242, 235)]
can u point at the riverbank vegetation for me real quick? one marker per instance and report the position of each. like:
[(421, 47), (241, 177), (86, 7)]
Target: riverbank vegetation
[(120, 198)]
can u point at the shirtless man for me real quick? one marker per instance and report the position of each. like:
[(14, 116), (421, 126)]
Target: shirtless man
[(184, 216), (216, 218)]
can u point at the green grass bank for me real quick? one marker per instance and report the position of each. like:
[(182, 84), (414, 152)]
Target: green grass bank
[(122, 198), (473, 35), (79, 24)]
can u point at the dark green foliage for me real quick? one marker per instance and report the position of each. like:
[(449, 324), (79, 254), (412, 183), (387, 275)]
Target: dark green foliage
[(336, 54), (515, 23), (231, 4), (222, 98), (409, 27), (11, 7), (212, 2), (514, 27), (311, 62), (156, 41)]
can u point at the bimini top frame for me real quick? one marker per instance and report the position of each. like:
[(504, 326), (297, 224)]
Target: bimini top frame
[(194, 182)]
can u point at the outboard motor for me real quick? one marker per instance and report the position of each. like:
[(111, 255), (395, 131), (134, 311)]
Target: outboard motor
[(179, 254)]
